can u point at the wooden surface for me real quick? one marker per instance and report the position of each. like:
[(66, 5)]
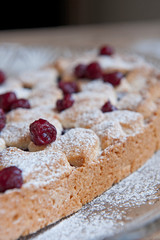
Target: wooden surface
[(125, 35), (119, 35)]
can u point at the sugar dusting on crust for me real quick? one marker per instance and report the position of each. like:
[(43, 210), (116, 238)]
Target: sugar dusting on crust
[(36, 76), (127, 119), (21, 114), (78, 137), (69, 117), (81, 146), (43, 167), (103, 89), (2, 144), (89, 118), (130, 101), (123, 116), (48, 165), (16, 134), (119, 62), (108, 214), (109, 132)]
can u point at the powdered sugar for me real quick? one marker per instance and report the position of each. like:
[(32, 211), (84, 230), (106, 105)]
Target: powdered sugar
[(2, 144), (109, 213), (16, 134), (117, 62), (123, 116), (70, 115), (129, 101), (80, 146), (109, 132), (31, 78), (48, 165), (21, 114), (131, 122), (101, 88), (89, 96), (89, 118), (79, 137)]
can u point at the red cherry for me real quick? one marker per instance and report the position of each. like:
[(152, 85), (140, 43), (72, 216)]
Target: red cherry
[(2, 77), (6, 99), (106, 50), (42, 132), (64, 103), (108, 107), (113, 78), (10, 177), (20, 103), (93, 71), (80, 71), (68, 87), (2, 119)]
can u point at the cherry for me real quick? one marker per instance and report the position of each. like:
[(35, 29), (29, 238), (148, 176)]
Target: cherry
[(64, 103), (93, 71), (106, 50), (20, 103), (108, 107), (2, 77), (42, 132), (10, 177), (6, 99), (113, 78), (2, 119), (68, 87), (80, 71)]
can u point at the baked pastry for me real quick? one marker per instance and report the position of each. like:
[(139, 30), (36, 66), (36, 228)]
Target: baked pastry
[(71, 131)]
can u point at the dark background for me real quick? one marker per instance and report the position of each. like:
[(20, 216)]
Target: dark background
[(76, 12)]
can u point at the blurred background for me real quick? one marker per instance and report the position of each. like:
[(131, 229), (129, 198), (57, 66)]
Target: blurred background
[(132, 24), (76, 12)]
